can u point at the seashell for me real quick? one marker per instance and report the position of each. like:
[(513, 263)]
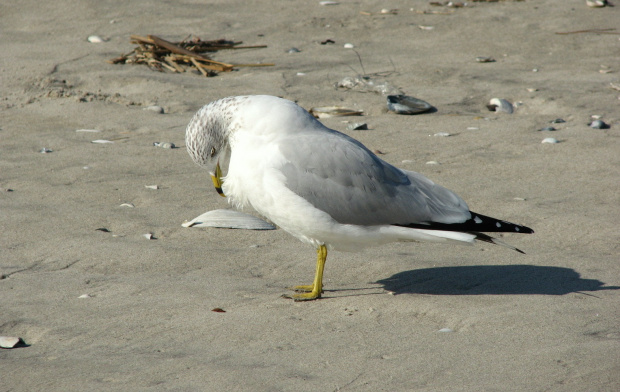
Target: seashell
[(11, 342), (164, 145), (334, 111), (598, 124), (229, 219), (446, 330), (85, 296), (596, 3), (130, 205), (88, 130), (149, 236), (152, 186), (328, 3), (500, 105), (442, 134), (482, 59), (95, 39), (547, 129), (404, 104), (102, 141), (45, 150), (348, 46), (155, 109), (357, 127), (432, 163), (293, 50), (550, 140)]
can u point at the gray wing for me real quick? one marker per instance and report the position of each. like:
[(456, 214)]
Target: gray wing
[(340, 176)]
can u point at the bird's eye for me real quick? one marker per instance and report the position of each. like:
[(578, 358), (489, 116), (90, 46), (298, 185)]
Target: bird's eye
[(212, 151)]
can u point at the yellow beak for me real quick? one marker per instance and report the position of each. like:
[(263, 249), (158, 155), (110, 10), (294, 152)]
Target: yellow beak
[(217, 180)]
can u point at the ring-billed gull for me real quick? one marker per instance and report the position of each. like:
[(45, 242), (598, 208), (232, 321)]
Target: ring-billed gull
[(322, 186)]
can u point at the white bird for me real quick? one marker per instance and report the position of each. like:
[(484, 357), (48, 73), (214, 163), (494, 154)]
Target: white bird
[(322, 186)]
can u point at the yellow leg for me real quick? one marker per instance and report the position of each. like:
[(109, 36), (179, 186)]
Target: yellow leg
[(314, 290)]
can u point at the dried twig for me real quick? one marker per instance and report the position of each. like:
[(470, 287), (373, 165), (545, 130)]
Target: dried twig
[(596, 31)]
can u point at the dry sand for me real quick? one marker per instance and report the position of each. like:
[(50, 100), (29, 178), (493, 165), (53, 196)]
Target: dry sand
[(545, 321)]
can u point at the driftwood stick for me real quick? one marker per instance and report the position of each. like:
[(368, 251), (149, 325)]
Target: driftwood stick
[(174, 48)]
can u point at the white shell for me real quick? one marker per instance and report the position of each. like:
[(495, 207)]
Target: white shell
[(334, 111), (154, 108), (229, 219), (9, 341), (348, 46), (95, 39), (500, 105), (102, 141), (550, 140), (88, 130)]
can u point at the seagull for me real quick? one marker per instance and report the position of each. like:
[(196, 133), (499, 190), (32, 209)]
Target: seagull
[(322, 186)]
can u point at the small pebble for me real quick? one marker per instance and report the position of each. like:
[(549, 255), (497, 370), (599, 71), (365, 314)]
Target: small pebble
[(407, 161), (95, 39), (472, 128), (328, 3), (301, 74), (550, 140), (152, 186), (446, 330), (293, 50), (45, 150), (155, 109), (547, 129), (348, 46), (88, 130), (598, 124), (442, 134), (357, 127), (432, 163), (558, 121), (482, 59), (101, 141)]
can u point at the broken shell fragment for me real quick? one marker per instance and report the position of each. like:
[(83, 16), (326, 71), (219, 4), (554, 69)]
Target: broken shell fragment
[(334, 111), (154, 109), (229, 219), (598, 124), (500, 105), (404, 104), (95, 39), (357, 127), (11, 342), (164, 145)]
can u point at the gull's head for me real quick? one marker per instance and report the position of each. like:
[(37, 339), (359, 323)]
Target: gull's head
[(207, 136)]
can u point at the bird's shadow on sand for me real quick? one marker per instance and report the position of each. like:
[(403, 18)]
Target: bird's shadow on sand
[(491, 279)]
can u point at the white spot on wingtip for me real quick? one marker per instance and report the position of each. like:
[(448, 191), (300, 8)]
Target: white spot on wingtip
[(517, 229), (477, 219), (498, 224)]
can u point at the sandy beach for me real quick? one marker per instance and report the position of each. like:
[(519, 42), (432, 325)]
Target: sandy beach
[(102, 308)]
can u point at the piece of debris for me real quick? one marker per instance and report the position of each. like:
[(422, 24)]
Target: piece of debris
[(161, 55)]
